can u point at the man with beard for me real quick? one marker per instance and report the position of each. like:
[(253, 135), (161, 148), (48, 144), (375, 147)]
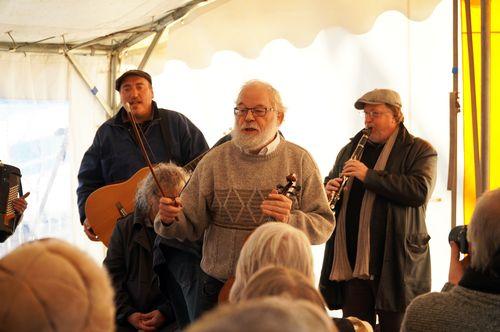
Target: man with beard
[(232, 190)]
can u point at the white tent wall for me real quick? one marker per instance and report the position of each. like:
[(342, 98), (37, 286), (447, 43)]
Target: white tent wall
[(44, 82), (319, 84), (33, 76), (86, 116)]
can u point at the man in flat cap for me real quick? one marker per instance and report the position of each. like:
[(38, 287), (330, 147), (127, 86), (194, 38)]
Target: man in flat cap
[(115, 156), (378, 258)]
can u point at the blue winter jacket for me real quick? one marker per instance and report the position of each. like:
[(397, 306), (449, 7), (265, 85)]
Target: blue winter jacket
[(115, 156)]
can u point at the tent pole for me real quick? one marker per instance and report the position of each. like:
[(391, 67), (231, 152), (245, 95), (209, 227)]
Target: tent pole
[(114, 65), (485, 92), (150, 49), (475, 135), (93, 88), (454, 110)]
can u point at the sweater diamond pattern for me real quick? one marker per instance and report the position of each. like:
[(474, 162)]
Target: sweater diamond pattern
[(239, 206)]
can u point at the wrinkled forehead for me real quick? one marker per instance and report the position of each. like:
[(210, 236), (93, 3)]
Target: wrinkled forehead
[(376, 107), (133, 80), (253, 95)]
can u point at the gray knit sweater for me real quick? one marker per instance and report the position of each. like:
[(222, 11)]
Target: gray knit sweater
[(460, 309), (222, 202)]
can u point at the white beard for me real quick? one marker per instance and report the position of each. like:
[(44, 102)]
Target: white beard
[(250, 142)]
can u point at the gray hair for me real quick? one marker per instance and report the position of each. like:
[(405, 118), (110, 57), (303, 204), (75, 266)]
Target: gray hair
[(271, 314), (274, 95), (283, 282), (272, 243), (172, 178), (396, 112), (484, 230)]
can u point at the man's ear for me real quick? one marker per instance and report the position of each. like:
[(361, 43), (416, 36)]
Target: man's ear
[(281, 117)]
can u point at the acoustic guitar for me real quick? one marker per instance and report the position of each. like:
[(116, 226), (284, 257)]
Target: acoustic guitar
[(107, 204), (289, 190)]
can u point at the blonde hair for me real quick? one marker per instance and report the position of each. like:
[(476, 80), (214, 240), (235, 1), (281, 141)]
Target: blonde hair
[(272, 243), (282, 282), (484, 230), (271, 314), (50, 285), (274, 95)]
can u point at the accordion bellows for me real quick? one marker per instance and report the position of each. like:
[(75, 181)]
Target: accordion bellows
[(49, 285), (10, 188)]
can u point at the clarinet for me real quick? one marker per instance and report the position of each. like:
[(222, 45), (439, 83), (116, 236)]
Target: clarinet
[(356, 155)]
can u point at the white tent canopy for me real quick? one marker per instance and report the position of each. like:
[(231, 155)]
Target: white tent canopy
[(48, 23)]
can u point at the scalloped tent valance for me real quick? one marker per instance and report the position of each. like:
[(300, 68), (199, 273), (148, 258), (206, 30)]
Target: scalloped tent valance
[(247, 26)]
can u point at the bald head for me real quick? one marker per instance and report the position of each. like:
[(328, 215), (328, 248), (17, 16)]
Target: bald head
[(484, 230)]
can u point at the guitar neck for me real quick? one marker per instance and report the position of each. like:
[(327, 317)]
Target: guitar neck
[(190, 166)]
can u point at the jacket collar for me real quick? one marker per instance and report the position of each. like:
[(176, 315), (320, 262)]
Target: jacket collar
[(140, 236), (487, 281), (118, 119)]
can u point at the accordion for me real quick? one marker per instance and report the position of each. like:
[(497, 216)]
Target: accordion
[(10, 189)]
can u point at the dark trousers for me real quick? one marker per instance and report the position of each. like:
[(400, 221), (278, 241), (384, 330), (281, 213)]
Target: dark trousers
[(360, 302), (185, 269), (179, 280), (208, 293)]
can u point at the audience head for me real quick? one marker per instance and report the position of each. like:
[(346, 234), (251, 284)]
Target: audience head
[(270, 314), (272, 243), (172, 178), (484, 230), (49, 285), (282, 282)]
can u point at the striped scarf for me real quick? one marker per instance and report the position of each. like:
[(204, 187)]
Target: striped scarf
[(341, 268)]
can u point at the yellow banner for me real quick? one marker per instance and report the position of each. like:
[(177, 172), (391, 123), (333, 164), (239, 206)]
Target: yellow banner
[(469, 168)]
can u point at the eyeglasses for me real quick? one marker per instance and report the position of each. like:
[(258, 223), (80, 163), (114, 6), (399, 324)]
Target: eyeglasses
[(371, 114), (256, 111)]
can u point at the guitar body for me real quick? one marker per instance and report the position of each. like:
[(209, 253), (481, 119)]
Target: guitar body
[(101, 206)]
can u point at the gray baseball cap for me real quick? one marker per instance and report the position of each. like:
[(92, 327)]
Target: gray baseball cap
[(379, 96)]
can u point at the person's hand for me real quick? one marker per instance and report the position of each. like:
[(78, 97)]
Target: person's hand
[(355, 168), (457, 266), (277, 206), (19, 204), (137, 320), (332, 187), (89, 231), (154, 319), (169, 209)]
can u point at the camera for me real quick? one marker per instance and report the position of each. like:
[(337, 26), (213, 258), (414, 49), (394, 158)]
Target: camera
[(458, 235)]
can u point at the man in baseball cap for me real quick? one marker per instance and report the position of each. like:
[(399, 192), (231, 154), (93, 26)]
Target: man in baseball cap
[(115, 156), (134, 72), (381, 240)]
